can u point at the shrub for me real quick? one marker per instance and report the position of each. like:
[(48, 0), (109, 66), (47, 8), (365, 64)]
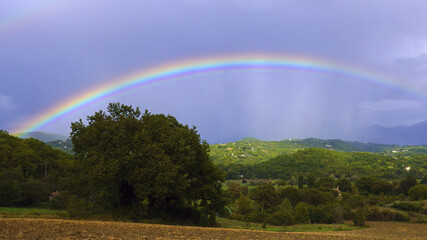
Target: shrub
[(10, 194), (418, 192), (293, 194), (316, 197), (406, 183), (337, 212), (34, 191), (322, 214), (354, 201), (359, 218), (255, 216), (302, 214), (407, 206), (400, 217), (374, 214), (344, 185), (244, 205), (281, 217)]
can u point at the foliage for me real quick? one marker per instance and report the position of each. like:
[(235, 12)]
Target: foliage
[(126, 160), (244, 205), (290, 193), (407, 206), (325, 183), (406, 183), (10, 194), (373, 185), (281, 217), (34, 191), (265, 195), (233, 190), (359, 217), (374, 214), (311, 179), (316, 197), (300, 181), (249, 151), (66, 146), (344, 185), (322, 214), (29, 170), (418, 192), (322, 163), (302, 214)]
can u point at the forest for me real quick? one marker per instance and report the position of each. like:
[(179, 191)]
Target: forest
[(133, 165)]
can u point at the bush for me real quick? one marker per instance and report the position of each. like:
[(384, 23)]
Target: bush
[(322, 214), (302, 214), (281, 217), (244, 205), (359, 218), (337, 212), (354, 201), (418, 192), (34, 191), (10, 194), (255, 216), (400, 217), (374, 214), (407, 206), (316, 197)]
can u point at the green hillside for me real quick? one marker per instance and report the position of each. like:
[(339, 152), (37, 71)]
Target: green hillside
[(66, 146), (252, 151), (322, 162)]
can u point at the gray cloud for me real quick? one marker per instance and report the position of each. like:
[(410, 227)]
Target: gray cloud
[(76, 45)]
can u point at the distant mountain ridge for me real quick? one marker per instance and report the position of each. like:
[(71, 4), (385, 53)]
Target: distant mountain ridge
[(403, 135), (43, 136)]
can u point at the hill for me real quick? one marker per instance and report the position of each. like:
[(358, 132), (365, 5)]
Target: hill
[(323, 162), (408, 135), (252, 151), (43, 136), (66, 146)]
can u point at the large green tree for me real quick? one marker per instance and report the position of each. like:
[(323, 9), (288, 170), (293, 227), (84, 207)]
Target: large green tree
[(127, 160)]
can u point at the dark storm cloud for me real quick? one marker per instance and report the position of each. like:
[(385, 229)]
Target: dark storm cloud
[(73, 46)]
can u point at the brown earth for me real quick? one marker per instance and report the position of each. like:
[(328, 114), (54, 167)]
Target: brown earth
[(18, 228)]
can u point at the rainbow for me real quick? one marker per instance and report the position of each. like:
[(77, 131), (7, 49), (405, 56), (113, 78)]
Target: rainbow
[(198, 66)]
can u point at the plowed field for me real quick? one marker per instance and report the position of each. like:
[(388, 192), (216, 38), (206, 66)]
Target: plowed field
[(15, 228)]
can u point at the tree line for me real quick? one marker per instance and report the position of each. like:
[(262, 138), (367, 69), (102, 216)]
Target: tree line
[(133, 165), (324, 200)]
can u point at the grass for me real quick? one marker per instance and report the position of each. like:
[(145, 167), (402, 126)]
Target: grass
[(9, 212), (228, 223)]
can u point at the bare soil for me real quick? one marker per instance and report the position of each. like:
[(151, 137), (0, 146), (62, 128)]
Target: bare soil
[(19, 228)]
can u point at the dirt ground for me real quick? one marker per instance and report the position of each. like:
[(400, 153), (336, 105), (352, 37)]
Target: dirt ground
[(18, 228)]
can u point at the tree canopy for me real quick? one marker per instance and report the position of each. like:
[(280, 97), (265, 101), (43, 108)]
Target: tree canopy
[(129, 160), (29, 170)]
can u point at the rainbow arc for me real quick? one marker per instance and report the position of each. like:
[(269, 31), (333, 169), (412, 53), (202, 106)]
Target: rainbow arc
[(181, 69)]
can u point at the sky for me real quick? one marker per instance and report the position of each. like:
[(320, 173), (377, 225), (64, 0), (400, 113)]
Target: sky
[(52, 51)]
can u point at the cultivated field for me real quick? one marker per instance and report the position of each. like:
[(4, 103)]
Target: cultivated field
[(19, 228)]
